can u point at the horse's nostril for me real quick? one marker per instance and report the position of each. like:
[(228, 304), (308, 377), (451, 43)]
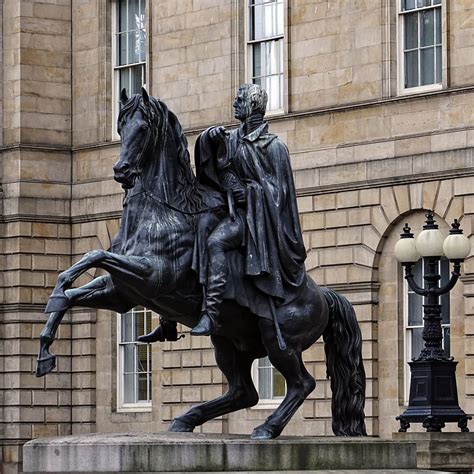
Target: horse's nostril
[(121, 168)]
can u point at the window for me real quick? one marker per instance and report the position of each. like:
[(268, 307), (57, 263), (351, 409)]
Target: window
[(130, 49), (265, 48), (134, 360), (414, 318), (421, 43), (270, 384)]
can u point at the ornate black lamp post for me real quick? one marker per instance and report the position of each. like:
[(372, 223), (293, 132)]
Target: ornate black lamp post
[(433, 392)]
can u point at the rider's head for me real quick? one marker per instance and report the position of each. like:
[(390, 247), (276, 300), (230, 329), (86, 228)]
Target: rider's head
[(251, 99)]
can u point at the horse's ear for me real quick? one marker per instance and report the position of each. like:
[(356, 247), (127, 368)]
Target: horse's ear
[(146, 98), (123, 96)]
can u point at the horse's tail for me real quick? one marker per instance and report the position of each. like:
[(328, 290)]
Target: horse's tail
[(345, 369)]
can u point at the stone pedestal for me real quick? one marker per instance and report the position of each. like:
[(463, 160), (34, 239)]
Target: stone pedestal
[(442, 451), (187, 452)]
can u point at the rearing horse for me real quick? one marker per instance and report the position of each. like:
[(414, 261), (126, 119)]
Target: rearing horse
[(150, 264)]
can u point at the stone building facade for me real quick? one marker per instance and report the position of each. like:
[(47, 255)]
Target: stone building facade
[(371, 148)]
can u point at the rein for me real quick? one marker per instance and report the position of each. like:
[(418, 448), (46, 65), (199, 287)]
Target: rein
[(150, 195)]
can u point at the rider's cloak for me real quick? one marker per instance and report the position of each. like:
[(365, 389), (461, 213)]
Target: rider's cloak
[(274, 251)]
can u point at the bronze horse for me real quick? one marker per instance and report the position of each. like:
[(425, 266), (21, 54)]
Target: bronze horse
[(149, 264)]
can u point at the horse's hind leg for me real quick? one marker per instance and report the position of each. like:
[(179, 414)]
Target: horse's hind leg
[(236, 366), (99, 293), (299, 383)]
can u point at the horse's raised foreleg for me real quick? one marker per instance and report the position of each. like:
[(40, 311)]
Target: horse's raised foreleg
[(99, 293), (236, 366), (299, 383), (132, 271)]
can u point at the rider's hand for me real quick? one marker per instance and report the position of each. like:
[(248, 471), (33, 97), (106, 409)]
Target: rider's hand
[(218, 135), (240, 196)]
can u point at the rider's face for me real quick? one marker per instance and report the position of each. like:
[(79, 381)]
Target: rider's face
[(242, 106)]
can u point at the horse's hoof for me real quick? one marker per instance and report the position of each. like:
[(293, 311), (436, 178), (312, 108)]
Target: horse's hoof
[(262, 433), (180, 426), (57, 304), (45, 366)]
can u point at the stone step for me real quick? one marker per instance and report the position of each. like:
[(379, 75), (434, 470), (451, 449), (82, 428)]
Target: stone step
[(188, 452)]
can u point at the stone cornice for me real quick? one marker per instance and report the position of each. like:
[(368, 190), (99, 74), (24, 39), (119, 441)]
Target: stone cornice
[(383, 182), (36, 147), (363, 287)]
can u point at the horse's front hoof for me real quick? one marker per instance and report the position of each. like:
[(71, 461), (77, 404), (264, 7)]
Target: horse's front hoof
[(46, 365), (262, 433), (180, 426), (57, 304)]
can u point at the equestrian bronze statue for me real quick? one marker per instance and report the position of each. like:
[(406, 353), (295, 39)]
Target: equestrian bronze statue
[(221, 252)]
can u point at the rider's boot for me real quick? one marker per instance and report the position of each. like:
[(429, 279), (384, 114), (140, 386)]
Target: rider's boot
[(165, 331), (216, 281)]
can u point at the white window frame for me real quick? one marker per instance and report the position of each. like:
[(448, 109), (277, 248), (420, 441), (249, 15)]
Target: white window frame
[(407, 335), (116, 68), (264, 403), (140, 406), (249, 55), (402, 90)]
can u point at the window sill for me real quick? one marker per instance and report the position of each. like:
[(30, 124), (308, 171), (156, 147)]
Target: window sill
[(136, 408), (420, 90), (275, 113)]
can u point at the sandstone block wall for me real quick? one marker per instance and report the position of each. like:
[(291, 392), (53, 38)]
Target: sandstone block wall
[(365, 160)]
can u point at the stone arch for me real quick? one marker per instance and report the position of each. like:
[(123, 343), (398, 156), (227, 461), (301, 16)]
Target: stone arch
[(399, 201)]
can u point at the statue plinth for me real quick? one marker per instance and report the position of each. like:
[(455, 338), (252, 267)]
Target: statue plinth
[(189, 452)]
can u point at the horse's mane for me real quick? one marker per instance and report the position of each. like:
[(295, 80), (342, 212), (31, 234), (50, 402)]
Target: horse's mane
[(188, 196)]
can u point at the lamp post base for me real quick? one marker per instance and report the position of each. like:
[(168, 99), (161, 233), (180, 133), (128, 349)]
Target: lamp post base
[(433, 397)]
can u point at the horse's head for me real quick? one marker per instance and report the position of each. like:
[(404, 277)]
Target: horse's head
[(137, 127)]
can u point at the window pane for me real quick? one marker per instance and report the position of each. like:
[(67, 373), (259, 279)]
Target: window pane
[(133, 14), (427, 66), (436, 2), (438, 25), (142, 388), (408, 4), (439, 64), (415, 310), (142, 350), (267, 58), (122, 16), (411, 69), (133, 47), (265, 382), (129, 388), (122, 49), (447, 341), (127, 327), (129, 358), (427, 27), (142, 46), (423, 3), (445, 275), (148, 318), (411, 31), (279, 387), (266, 20), (416, 342), (273, 88)]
